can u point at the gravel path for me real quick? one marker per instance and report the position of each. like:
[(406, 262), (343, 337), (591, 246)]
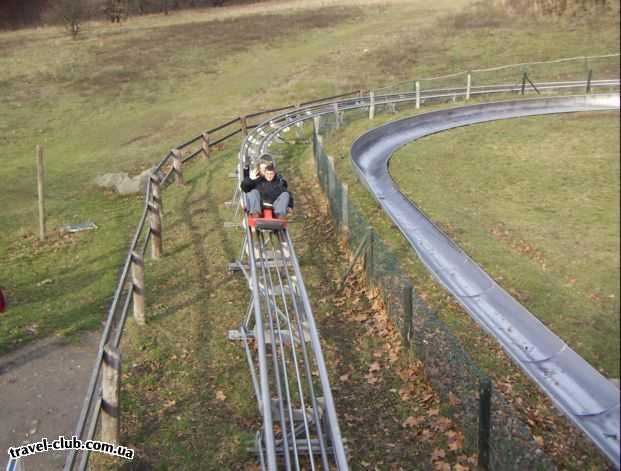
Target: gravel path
[(42, 386)]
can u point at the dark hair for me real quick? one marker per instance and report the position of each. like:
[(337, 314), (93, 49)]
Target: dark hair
[(270, 167)]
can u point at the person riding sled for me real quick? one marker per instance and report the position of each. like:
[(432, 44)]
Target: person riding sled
[(267, 186)]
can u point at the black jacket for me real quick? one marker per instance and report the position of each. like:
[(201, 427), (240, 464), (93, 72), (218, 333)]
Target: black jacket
[(269, 190)]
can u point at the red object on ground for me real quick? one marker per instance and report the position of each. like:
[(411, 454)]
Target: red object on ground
[(2, 302), (267, 221)]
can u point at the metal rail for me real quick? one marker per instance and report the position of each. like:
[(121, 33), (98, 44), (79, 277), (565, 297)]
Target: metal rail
[(288, 358)]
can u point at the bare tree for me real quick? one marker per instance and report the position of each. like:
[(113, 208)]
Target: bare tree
[(71, 13)]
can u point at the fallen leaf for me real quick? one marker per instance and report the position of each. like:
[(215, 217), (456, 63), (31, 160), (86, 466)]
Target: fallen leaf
[(375, 366), (344, 377), (437, 454), (456, 445), (220, 396), (453, 399), (442, 466), (412, 421)]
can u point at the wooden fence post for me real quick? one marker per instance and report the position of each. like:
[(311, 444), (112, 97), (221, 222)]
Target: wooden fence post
[(243, 121), (417, 95), (156, 192), (138, 288), (468, 85), (178, 166), (155, 224), (206, 150), (110, 404), (371, 104), (41, 192)]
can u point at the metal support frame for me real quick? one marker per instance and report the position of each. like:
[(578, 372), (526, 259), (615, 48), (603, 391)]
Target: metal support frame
[(279, 323)]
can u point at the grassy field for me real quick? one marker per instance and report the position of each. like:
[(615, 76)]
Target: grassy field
[(541, 216)]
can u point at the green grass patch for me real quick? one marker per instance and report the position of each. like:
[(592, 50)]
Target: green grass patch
[(535, 201), (187, 395)]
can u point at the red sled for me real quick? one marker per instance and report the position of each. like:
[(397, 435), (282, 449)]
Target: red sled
[(267, 221)]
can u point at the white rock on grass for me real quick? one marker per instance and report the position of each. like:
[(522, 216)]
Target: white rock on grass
[(123, 183)]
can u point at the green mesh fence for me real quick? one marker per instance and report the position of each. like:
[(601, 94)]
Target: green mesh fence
[(512, 446), (491, 428)]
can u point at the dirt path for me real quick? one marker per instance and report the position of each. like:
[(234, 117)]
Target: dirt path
[(42, 387)]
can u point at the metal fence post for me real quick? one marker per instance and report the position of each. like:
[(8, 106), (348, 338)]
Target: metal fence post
[(524, 83), (205, 145), (371, 104), (417, 95), (468, 85), (331, 182), (138, 288), (155, 225), (406, 330), (110, 405), (369, 254), (588, 84), (178, 166), (345, 209), (485, 406), (336, 115)]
